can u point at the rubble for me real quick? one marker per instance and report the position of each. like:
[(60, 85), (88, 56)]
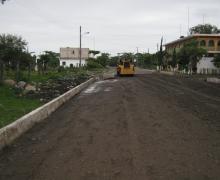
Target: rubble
[(56, 87)]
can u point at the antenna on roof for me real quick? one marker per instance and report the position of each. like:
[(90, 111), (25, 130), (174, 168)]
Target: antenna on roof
[(188, 21), (203, 19), (180, 30)]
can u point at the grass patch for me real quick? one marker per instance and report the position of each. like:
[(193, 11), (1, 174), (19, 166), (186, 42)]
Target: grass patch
[(13, 107)]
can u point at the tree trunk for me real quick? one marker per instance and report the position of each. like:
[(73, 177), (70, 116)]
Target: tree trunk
[(29, 71), (17, 70), (1, 71), (43, 68)]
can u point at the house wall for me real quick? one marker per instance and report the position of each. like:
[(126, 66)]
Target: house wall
[(169, 48), (70, 56), (74, 62), (73, 53), (206, 66), (180, 44), (216, 41)]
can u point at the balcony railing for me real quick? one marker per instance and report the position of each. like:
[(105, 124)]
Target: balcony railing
[(211, 48)]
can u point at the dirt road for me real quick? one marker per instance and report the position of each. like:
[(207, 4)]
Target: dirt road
[(147, 127)]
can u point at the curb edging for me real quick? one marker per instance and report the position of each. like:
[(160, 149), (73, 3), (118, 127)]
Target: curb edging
[(213, 80), (12, 131), (170, 73)]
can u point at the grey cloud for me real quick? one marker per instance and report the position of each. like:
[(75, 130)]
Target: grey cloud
[(116, 25)]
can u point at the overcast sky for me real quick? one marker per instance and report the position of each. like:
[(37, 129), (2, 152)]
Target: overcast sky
[(114, 25)]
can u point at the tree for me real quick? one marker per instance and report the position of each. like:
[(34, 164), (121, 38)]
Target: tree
[(166, 59), (204, 29), (174, 59), (103, 59), (1, 70), (94, 52), (127, 56), (216, 61), (93, 64), (113, 61), (140, 59), (160, 53), (27, 62), (53, 59), (3, 1), (190, 54), (47, 60), (11, 49), (145, 60), (42, 62)]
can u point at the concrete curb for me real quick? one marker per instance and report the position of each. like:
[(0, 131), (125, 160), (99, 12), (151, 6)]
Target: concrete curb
[(213, 80), (9, 133), (167, 73)]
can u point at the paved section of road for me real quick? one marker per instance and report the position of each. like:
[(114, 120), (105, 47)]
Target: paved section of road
[(149, 126)]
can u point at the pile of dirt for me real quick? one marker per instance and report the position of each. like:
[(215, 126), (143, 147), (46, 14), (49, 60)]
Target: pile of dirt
[(56, 87)]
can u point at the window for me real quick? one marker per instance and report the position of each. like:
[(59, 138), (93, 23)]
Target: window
[(71, 65), (202, 43), (63, 63), (211, 43), (218, 43), (73, 52)]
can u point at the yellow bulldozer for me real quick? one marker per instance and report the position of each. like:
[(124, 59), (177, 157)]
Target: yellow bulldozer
[(125, 68)]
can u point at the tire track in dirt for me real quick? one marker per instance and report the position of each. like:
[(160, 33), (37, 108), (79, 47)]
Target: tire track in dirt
[(143, 127)]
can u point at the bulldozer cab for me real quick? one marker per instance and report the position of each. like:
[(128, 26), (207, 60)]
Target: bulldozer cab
[(125, 67)]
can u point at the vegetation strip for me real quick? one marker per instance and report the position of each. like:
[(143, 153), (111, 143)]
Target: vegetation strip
[(9, 133)]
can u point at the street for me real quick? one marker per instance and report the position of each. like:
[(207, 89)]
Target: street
[(149, 126)]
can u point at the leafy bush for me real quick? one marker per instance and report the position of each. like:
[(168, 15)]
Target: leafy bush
[(113, 61), (93, 65), (103, 59), (61, 69), (217, 61)]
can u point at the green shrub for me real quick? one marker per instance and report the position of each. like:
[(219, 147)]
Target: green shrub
[(61, 69), (93, 65)]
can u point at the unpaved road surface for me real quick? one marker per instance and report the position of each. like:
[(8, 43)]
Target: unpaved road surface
[(147, 127)]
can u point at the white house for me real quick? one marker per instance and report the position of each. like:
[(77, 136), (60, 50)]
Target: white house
[(69, 57)]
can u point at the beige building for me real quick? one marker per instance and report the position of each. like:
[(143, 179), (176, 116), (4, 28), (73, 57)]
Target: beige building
[(70, 57), (210, 42)]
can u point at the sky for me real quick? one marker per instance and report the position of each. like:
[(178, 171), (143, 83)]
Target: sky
[(115, 26)]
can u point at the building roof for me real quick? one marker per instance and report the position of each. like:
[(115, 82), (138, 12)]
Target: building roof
[(191, 37)]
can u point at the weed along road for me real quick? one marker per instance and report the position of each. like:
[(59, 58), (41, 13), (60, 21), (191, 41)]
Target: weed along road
[(149, 126)]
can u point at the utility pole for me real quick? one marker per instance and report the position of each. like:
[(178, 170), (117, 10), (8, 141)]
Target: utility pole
[(137, 50), (80, 46), (157, 56), (188, 21)]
